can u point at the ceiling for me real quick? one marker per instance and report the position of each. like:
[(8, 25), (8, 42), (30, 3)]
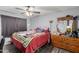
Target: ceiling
[(12, 11)]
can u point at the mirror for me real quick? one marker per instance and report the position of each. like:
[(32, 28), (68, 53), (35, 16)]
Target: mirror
[(64, 24)]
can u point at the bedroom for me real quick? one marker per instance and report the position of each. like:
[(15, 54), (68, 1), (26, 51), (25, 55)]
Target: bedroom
[(39, 29)]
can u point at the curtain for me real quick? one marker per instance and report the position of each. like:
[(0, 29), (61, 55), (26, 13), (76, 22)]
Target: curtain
[(12, 24)]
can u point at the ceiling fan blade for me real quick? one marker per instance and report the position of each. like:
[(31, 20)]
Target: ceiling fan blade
[(19, 9), (36, 12), (22, 13)]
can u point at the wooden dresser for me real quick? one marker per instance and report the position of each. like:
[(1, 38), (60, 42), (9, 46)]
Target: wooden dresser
[(68, 43)]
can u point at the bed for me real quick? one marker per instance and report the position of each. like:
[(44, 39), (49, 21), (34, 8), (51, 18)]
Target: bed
[(36, 41)]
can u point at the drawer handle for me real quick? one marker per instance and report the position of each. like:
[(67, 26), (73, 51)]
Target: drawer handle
[(67, 43)]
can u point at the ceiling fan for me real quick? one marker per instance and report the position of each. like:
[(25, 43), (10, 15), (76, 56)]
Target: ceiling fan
[(28, 10)]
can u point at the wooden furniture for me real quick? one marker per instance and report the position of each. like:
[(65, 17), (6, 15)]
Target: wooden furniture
[(68, 43)]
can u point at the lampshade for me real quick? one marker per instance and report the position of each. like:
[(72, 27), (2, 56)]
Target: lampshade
[(69, 29), (68, 26)]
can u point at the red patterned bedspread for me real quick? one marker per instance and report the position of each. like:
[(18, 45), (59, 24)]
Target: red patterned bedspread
[(35, 44)]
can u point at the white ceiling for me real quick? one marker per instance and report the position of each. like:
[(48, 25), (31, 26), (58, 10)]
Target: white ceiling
[(12, 11)]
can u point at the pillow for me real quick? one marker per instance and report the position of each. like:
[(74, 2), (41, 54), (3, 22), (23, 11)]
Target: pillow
[(46, 29), (39, 30), (23, 33), (30, 32), (7, 41)]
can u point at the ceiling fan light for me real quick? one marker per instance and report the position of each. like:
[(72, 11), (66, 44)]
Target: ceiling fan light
[(30, 14), (27, 13)]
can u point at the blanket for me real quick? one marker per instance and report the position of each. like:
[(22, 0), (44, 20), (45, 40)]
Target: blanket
[(23, 39)]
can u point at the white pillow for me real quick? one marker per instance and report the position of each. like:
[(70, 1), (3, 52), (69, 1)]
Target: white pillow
[(7, 41), (22, 33)]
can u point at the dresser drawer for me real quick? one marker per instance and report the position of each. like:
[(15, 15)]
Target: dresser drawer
[(74, 48), (71, 44), (62, 45), (56, 38)]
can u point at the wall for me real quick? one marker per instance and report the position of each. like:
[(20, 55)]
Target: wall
[(43, 21), (28, 24), (0, 25), (0, 28)]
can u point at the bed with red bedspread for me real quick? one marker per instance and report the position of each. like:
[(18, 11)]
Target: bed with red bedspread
[(38, 40)]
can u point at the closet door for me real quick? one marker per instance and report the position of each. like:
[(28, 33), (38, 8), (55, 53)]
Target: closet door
[(11, 25)]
